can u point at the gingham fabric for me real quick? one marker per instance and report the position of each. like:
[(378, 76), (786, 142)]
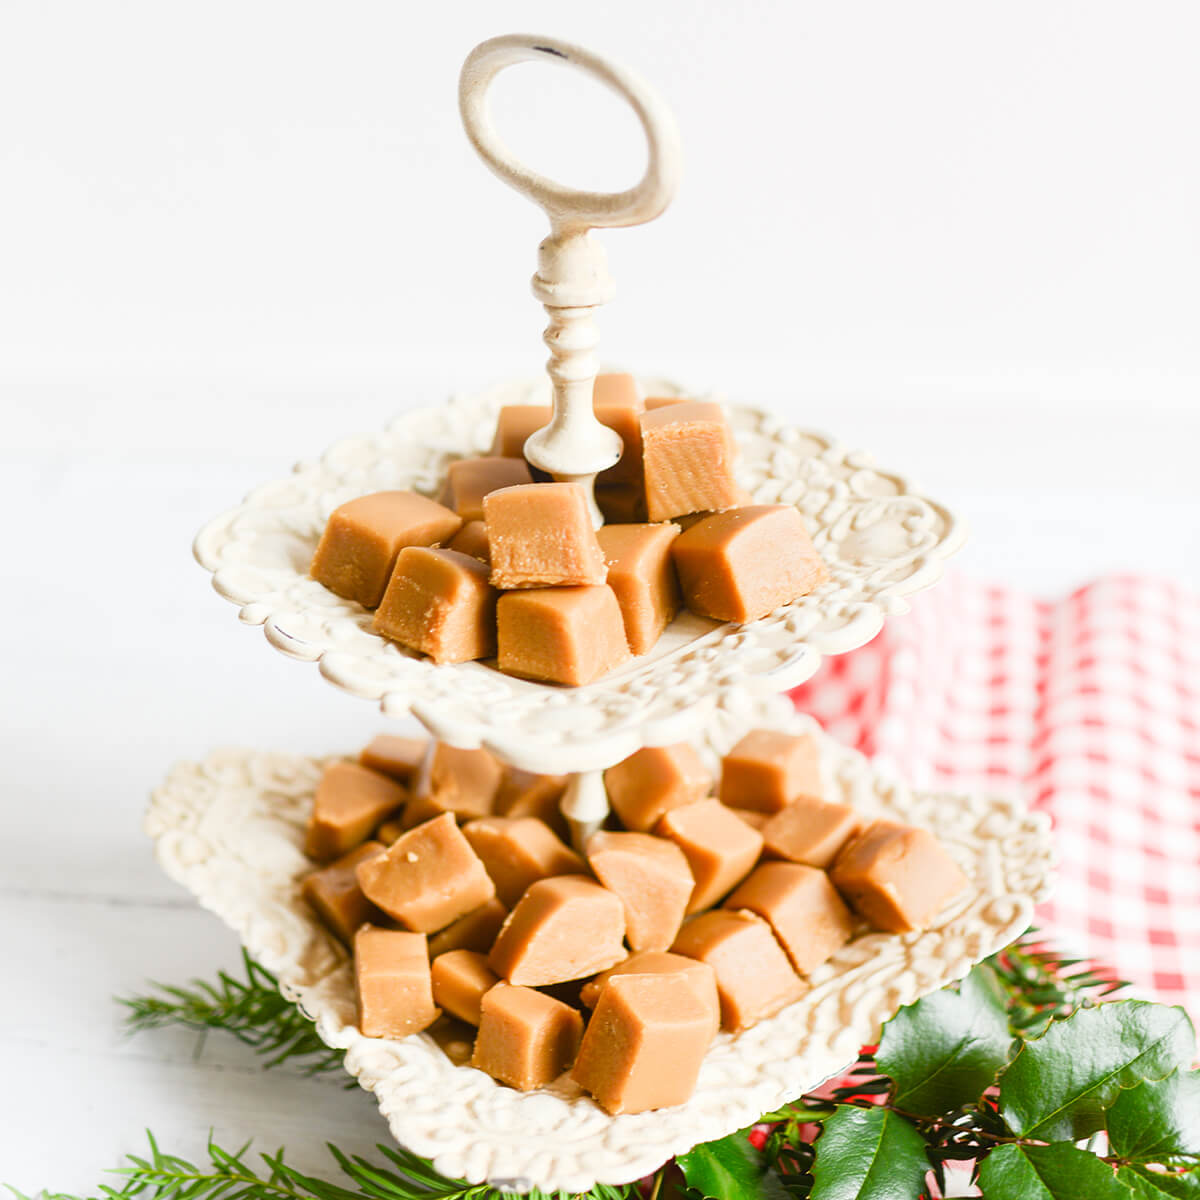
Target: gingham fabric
[(1089, 706)]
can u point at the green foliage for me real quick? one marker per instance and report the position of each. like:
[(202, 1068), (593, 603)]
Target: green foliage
[(1158, 1120), (869, 1154), (728, 1169), (1059, 1172), (1145, 1184)]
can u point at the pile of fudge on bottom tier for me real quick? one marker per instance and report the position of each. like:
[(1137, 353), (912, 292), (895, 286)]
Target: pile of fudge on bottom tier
[(503, 566), (695, 912)]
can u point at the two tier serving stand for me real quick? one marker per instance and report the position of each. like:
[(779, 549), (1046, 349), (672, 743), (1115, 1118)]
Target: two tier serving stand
[(231, 828)]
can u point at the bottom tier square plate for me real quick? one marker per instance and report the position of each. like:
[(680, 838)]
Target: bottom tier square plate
[(230, 829)]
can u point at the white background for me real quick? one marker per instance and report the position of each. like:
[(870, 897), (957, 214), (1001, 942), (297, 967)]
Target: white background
[(962, 234)]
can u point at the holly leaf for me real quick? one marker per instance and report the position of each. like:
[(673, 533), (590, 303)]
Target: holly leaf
[(869, 1154), (1058, 1086), (1144, 1184), (945, 1050), (729, 1169), (1048, 1173), (1157, 1119)]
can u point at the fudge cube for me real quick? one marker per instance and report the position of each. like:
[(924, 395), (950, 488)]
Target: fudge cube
[(812, 832), (688, 454), (526, 1038), (397, 757), (468, 480), (439, 603), (653, 880), (525, 794), (514, 425), (756, 820), (462, 782), (642, 575), (653, 403), (768, 769), (721, 849), (392, 980), (540, 535), (475, 931), (896, 877), (802, 907), (362, 538), (472, 539), (518, 851), (742, 564), (653, 780), (428, 877), (754, 978), (571, 635), (349, 803), (460, 978), (644, 1044), (699, 975), (621, 503), (390, 830), (566, 927), (334, 892), (617, 404)]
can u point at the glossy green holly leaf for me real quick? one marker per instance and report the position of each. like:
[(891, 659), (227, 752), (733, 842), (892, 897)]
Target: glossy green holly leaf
[(1157, 1119), (869, 1154), (729, 1169), (1058, 1086), (1144, 1184), (945, 1050), (1048, 1173)]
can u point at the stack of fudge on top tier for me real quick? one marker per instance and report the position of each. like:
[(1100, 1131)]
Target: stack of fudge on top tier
[(507, 565), (705, 904)]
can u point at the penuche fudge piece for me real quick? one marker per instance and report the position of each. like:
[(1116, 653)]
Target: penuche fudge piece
[(468, 480), (518, 851), (897, 877), (526, 1038), (541, 535), (720, 847), (525, 794), (397, 757), (642, 575), (363, 537), (571, 635), (653, 403), (754, 978), (566, 927), (812, 832), (460, 978), (428, 877), (439, 603), (801, 906), (475, 931), (742, 564), (472, 539), (653, 780), (462, 782), (700, 977), (514, 425), (653, 880), (334, 892), (768, 769), (645, 1043), (688, 454), (617, 404), (391, 972), (621, 503), (756, 820), (350, 801)]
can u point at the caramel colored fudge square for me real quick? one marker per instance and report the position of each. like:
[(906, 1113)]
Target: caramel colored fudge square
[(571, 635), (518, 851), (699, 975), (622, 503), (688, 454), (362, 538), (391, 970), (567, 927), (472, 539), (898, 878), (653, 780), (526, 1038), (462, 782), (654, 403), (768, 769), (642, 575), (756, 820), (811, 831), (645, 1043), (541, 535), (349, 803), (754, 978), (475, 931), (524, 794), (468, 480), (742, 564), (617, 404), (460, 979), (427, 878), (334, 892), (514, 425), (653, 880), (397, 757), (721, 849), (801, 906), (439, 603)]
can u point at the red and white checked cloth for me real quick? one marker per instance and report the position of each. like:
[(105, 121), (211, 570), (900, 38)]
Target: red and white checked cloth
[(1089, 706)]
